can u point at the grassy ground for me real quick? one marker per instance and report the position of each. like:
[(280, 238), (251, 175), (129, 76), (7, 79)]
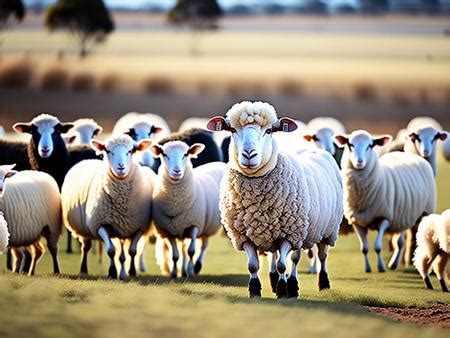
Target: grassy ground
[(215, 304)]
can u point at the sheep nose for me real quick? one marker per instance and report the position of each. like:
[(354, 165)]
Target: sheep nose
[(249, 154), (359, 161), (45, 149), (121, 166), (177, 171)]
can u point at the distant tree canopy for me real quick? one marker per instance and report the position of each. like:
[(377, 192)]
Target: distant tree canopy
[(10, 8), (88, 20), (196, 14)]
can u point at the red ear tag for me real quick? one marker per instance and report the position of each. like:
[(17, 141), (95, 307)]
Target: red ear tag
[(285, 127), (218, 126)]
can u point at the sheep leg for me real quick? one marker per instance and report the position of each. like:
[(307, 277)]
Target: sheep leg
[(313, 262), (424, 265), (100, 251), (292, 283), (69, 242), (199, 263), (123, 274), (26, 263), (439, 268), (273, 274), (184, 259), (103, 233), (362, 236), (9, 259), (397, 241), (86, 244), (379, 244), (193, 234), (175, 256), (254, 285), (324, 282), (52, 245), (17, 259), (37, 250), (285, 248), (133, 251)]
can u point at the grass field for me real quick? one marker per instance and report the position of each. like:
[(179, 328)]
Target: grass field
[(215, 304)]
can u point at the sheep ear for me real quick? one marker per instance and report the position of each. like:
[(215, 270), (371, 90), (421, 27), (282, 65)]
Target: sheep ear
[(98, 131), (23, 127), (156, 150), (156, 130), (441, 136), (10, 173), (218, 123), (413, 137), (308, 138), (63, 127), (285, 124), (341, 140), (98, 146), (382, 141), (195, 149), (142, 145)]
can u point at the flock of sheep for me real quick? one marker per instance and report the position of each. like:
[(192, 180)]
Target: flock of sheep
[(275, 185)]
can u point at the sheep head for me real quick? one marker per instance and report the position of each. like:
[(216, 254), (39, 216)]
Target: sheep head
[(6, 171), (424, 140)]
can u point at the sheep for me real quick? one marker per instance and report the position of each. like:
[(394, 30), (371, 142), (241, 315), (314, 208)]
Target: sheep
[(83, 131), (292, 141), (31, 203), (14, 152), (200, 123), (389, 194), (4, 233), (273, 201), (109, 199), (186, 201), (142, 126), (2, 131), (48, 152), (433, 239)]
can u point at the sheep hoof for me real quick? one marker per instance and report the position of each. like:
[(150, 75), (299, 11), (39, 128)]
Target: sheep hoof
[(292, 287), (254, 287), (324, 282), (197, 267), (381, 268), (282, 291), (184, 274), (112, 273), (132, 271), (443, 285), (368, 269), (274, 277), (173, 275), (428, 283)]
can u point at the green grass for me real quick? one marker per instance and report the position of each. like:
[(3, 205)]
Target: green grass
[(215, 304)]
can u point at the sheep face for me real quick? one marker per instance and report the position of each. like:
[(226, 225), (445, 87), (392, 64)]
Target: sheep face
[(5, 172), (141, 131), (45, 132), (359, 146), (119, 151), (323, 139), (175, 157), (85, 130), (424, 140)]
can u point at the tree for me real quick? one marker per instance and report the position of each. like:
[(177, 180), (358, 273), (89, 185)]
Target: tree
[(88, 21), (10, 9), (197, 15)]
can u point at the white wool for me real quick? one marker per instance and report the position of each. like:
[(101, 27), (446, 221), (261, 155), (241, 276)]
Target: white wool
[(246, 112), (325, 122), (45, 121), (293, 141), (398, 186), (91, 197), (433, 235), (4, 233), (129, 120), (31, 201), (192, 201)]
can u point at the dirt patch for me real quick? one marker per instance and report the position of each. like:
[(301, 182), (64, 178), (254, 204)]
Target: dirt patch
[(436, 316)]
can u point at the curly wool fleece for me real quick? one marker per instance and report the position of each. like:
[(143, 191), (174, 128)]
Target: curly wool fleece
[(284, 203), (247, 112)]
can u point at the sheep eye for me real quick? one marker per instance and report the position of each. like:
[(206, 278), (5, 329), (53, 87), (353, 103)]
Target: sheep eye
[(129, 152), (350, 146), (269, 131), (233, 130), (164, 155), (108, 151), (369, 146), (315, 138)]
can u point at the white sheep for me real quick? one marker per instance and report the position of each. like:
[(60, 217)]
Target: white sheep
[(293, 141), (186, 201), (4, 233), (31, 204), (321, 130), (142, 126), (109, 199), (2, 132), (433, 246), (276, 202), (83, 131), (390, 193)]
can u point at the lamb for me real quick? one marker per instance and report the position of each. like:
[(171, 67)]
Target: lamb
[(83, 131), (433, 239), (109, 199), (273, 201), (31, 204), (4, 233), (140, 127), (389, 194), (185, 202), (47, 151)]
